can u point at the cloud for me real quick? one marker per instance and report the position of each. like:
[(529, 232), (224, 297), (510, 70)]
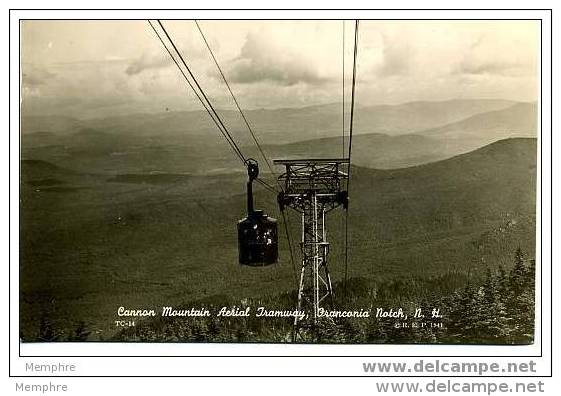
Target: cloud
[(259, 61), (276, 63), (479, 40), (189, 45), (497, 68), (396, 57), (146, 62), (486, 56), (36, 76)]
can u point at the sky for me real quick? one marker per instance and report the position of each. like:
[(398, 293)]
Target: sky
[(103, 68)]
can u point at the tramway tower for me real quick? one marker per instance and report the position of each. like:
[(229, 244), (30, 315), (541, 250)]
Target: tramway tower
[(313, 187)]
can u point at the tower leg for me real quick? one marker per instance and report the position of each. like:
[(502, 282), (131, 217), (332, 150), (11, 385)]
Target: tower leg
[(299, 304), (315, 288)]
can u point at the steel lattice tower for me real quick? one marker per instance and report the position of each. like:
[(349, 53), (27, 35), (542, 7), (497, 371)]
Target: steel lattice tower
[(313, 187)]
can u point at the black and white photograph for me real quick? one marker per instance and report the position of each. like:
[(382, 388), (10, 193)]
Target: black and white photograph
[(279, 181)]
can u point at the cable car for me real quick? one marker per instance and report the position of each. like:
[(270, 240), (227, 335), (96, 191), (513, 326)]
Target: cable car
[(257, 233)]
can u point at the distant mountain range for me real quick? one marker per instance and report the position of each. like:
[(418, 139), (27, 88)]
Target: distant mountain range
[(385, 151), (281, 125), (186, 142)]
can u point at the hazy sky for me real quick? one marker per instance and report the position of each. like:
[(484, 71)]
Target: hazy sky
[(96, 68)]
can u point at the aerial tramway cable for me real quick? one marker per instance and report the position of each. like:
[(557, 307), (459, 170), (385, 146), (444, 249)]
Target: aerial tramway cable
[(236, 102), (224, 133), (343, 89), (216, 118), (344, 218), (353, 97), (286, 221), (219, 120), (203, 98), (207, 104), (350, 152)]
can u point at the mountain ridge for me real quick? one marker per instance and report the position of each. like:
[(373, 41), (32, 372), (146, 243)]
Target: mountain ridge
[(281, 125)]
